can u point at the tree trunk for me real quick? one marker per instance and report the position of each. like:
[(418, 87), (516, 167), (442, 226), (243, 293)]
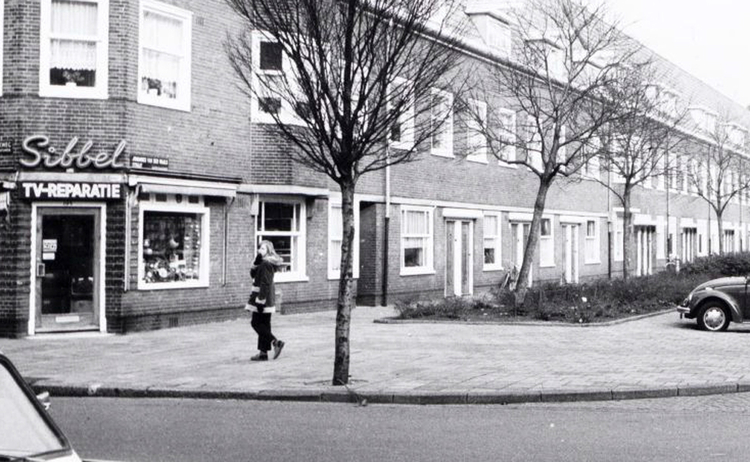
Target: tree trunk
[(627, 236), (720, 225), (346, 290), (531, 244)]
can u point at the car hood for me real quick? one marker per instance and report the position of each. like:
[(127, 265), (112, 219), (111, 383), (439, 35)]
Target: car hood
[(721, 282)]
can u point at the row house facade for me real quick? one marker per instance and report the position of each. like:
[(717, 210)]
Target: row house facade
[(136, 179)]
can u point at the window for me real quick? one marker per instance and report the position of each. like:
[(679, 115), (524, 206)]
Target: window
[(533, 141), (499, 37), (492, 242), (283, 224), (592, 242), (442, 123), (476, 141), (271, 55), (335, 237), (546, 243), (73, 52), (165, 56), (416, 240), (728, 240), (402, 131), (173, 243), (591, 169), (507, 135)]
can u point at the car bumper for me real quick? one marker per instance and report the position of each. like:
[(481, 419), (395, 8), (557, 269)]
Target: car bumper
[(684, 311)]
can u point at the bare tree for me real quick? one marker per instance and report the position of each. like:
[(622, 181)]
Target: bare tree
[(636, 148), (557, 87), (346, 78), (719, 172)]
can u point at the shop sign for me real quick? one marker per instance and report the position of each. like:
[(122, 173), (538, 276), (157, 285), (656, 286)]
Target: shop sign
[(71, 191), (150, 163), (38, 151)]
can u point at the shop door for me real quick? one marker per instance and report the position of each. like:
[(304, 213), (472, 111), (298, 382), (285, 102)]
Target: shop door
[(571, 253), (67, 269), (459, 258)]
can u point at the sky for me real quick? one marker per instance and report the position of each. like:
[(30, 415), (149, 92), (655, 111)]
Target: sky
[(709, 39)]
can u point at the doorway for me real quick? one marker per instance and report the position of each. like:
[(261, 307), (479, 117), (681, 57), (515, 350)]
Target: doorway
[(570, 253), (459, 268), (645, 254), (67, 269)]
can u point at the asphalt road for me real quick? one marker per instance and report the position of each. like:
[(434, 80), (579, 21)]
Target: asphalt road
[(668, 429)]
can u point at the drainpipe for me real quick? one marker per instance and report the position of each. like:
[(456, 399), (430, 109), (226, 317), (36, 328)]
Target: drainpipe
[(227, 205), (386, 226), (609, 224)]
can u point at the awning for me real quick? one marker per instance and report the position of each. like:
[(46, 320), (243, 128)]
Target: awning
[(180, 186)]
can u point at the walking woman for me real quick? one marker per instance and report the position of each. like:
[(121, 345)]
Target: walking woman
[(262, 303)]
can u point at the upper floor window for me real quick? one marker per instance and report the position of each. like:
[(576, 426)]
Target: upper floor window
[(442, 123), (476, 141), (73, 51), (165, 56), (499, 37), (507, 134), (402, 130)]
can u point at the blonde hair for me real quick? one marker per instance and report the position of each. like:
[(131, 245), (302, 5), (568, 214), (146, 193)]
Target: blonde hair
[(271, 255)]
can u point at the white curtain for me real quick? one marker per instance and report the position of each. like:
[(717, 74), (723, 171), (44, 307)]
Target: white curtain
[(79, 19), (162, 47), (416, 223)]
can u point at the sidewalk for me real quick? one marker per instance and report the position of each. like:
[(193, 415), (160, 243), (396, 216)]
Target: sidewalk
[(421, 363)]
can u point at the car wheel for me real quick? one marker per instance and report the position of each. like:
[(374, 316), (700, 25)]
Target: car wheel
[(713, 317)]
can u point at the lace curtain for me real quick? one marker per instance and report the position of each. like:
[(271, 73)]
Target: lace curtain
[(70, 18), (162, 47)]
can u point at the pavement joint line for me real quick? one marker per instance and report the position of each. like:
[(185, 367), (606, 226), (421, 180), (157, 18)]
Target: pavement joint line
[(392, 397)]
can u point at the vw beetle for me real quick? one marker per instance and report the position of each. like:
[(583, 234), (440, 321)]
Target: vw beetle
[(716, 303)]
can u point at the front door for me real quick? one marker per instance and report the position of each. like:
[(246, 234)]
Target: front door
[(459, 258), (67, 269), (520, 233), (645, 254), (570, 250)]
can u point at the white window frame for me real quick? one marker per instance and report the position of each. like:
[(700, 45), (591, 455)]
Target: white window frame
[(334, 207), (429, 268), (173, 207), (475, 139), (497, 238), (447, 150), (406, 118), (300, 274), (499, 37), (533, 142), (98, 91), (547, 259), (183, 100), (593, 241)]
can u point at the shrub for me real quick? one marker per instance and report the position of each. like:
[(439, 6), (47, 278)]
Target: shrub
[(735, 264)]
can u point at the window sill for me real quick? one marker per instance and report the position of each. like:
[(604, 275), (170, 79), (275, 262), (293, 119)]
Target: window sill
[(492, 268), (336, 277), (416, 272), (592, 262), (477, 160), (172, 285), (178, 105), (291, 277), (73, 92), (447, 154), (547, 265)]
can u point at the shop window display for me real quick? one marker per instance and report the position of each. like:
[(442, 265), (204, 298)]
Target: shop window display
[(171, 247)]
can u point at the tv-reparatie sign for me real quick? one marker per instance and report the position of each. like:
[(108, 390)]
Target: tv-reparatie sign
[(71, 191)]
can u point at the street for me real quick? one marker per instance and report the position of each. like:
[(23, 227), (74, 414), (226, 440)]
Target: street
[(670, 429)]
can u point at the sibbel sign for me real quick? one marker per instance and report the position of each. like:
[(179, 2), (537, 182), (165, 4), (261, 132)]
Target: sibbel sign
[(38, 151), (71, 191)]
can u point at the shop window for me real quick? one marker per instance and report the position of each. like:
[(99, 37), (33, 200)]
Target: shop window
[(592, 242), (283, 223), (492, 243), (73, 51), (546, 243), (174, 245), (335, 237), (441, 113), (416, 240), (165, 56)]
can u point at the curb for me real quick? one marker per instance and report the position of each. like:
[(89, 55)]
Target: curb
[(346, 395), (524, 323)]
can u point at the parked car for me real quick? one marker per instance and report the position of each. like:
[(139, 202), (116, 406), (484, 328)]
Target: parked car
[(716, 303), (27, 432)]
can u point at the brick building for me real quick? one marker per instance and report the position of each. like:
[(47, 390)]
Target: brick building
[(136, 179)]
